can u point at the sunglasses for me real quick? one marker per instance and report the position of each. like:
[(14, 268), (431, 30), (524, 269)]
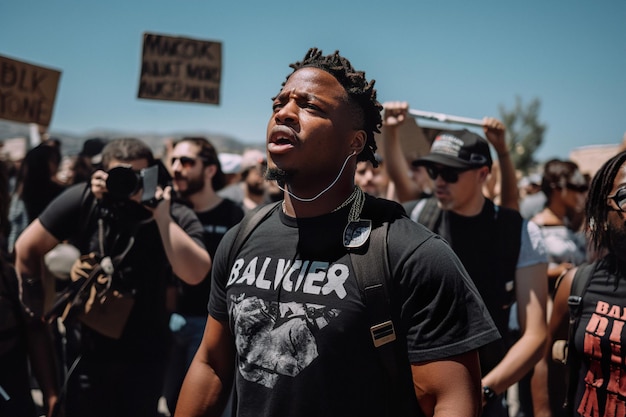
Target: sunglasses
[(185, 161), (620, 200), (449, 175)]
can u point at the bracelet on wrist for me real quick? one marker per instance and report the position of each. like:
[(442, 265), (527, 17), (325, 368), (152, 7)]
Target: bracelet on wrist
[(488, 394)]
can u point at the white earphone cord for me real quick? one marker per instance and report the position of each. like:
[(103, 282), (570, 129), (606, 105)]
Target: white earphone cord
[(308, 200)]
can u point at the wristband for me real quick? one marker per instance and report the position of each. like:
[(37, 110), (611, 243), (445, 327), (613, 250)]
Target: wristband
[(488, 394)]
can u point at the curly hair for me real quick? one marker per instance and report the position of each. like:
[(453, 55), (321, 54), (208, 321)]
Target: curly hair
[(361, 94), (596, 208)]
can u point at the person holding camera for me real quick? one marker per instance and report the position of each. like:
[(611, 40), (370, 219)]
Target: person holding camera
[(132, 238)]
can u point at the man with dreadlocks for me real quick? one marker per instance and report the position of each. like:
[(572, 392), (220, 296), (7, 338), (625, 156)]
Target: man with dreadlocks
[(287, 321)]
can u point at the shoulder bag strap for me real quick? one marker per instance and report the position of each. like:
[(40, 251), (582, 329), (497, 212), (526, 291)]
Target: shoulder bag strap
[(373, 275), (579, 285), (249, 222)]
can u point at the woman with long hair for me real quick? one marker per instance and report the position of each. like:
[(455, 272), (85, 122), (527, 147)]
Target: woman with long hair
[(597, 357)]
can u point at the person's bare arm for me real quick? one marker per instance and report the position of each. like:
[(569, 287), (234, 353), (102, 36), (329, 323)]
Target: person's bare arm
[(495, 131), (449, 387), (394, 115), (531, 289), (206, 387), (557, 330), (34, 242), (190, 262)]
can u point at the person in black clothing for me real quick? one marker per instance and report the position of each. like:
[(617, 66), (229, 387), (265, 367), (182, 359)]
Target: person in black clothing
[(504, 255), (114, 376), (197, 176), (35, 188), (287, 321), (597, 357), (15, 394)]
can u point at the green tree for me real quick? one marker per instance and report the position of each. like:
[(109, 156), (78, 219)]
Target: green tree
[(524, 132)]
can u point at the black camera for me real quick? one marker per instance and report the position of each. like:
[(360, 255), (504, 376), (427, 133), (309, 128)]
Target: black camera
[(123, 182)]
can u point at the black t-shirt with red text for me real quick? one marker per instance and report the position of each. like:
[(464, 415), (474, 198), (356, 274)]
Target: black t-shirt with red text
[(601, 337)]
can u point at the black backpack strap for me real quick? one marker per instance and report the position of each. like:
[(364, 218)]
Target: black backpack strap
[(373, 275), (580, 282), (430, 214), (249, 222), (509, 242), (371, 268)]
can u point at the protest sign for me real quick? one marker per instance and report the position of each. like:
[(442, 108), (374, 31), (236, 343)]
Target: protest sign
[(27, 92), (180, 69)]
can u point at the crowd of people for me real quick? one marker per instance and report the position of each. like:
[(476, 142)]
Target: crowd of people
[(327, 276)]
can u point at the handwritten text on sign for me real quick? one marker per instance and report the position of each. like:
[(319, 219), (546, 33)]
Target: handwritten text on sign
[(27, 92), (180, 69)]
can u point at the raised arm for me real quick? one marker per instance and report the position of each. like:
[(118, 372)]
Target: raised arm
[(207, 385), (397, 167), (495, 131), (190, 261)]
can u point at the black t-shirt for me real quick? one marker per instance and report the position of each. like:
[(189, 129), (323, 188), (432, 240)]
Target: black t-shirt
[(193, 299), (300, 325), (145, 269), (601, 337)]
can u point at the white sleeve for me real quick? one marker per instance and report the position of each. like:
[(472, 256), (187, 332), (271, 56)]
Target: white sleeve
[(533, 248)]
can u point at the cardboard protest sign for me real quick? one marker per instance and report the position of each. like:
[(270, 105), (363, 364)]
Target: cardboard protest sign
[(27, 92), (180, 69)]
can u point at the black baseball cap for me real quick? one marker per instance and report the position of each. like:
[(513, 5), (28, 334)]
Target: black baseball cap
[(458, 149)]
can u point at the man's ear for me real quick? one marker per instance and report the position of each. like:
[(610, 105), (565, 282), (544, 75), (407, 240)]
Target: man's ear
[(209, 171), (358, 141), (484, 173)]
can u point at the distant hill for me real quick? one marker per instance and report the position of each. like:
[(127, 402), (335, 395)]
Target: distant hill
[(72, 143)]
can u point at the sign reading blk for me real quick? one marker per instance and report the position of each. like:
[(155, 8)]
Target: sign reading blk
[(27, 92)]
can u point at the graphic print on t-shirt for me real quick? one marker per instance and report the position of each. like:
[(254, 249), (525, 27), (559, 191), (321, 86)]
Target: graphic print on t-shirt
[(605, 329), (275, 339)]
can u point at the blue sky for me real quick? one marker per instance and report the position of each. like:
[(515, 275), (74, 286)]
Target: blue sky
[(457, 57)]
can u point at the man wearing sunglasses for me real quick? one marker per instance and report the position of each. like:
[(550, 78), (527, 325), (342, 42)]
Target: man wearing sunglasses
[(504, 254), (197, 176)]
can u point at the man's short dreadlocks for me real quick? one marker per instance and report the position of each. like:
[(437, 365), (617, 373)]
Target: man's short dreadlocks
[(360, 92)]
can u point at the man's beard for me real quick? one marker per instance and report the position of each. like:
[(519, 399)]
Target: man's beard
[(193, 186), (278, 175), (256, 189)]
